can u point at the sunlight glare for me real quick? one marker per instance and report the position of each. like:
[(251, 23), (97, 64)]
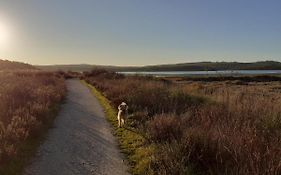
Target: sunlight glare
[(4, 34)]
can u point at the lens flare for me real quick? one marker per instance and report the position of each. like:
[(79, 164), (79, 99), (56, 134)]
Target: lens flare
[(4, 34)]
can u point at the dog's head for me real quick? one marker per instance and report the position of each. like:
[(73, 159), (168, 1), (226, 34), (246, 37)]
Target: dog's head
[(123, 106)]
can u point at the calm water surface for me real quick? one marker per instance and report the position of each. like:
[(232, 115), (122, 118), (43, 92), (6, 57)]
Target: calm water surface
[(213, 73)]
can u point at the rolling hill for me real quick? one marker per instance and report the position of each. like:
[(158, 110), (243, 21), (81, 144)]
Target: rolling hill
[(6, 65), (200, 66)]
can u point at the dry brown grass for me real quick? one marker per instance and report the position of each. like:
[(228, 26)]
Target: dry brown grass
[(26, 98), (237, 132)]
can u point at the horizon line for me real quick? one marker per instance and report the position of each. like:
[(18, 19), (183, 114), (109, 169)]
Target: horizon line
[(160, 64)]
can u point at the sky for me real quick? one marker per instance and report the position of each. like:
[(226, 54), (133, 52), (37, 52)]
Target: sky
[(139, 32)]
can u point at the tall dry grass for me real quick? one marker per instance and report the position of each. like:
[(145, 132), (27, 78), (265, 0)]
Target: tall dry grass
[(199, 129), (26, 100), (145, 95)]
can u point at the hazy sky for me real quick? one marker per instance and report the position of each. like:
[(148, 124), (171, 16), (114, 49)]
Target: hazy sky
[(139, 32)]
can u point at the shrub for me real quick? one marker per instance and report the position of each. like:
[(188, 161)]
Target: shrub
[(26, 98)]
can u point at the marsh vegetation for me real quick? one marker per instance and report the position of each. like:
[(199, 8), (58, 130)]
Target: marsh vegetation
[(28, 103), (198, 127)]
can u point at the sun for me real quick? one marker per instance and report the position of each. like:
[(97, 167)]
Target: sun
[(4, 34)]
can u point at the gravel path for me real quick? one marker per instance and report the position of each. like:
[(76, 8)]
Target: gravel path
[(80, 143)]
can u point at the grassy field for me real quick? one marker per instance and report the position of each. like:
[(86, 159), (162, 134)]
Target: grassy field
[(29, 102), (194, 127)]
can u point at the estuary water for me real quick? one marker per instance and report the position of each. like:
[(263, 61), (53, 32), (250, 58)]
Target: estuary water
[(205, 73)]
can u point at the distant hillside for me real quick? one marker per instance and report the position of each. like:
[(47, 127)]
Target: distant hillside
[(200, 66), (214, 66), (12, 65)]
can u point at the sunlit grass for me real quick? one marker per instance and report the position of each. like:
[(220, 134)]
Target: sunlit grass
[(131, 143)]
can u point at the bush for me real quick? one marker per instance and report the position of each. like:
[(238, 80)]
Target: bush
[(26, 98)]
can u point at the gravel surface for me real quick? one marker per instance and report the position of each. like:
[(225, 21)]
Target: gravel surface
[(80, 142)]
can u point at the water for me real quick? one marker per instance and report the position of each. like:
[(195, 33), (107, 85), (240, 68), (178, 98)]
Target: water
[(211, 73)]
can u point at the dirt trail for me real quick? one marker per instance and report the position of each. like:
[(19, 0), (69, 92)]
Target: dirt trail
[(80, 143)]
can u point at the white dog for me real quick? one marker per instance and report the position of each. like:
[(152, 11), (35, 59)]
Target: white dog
[(123, 109)]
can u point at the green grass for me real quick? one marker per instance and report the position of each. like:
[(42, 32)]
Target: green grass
[(131, 143), (27, 150)]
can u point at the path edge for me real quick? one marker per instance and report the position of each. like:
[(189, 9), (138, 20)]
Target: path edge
[(130, 143)]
